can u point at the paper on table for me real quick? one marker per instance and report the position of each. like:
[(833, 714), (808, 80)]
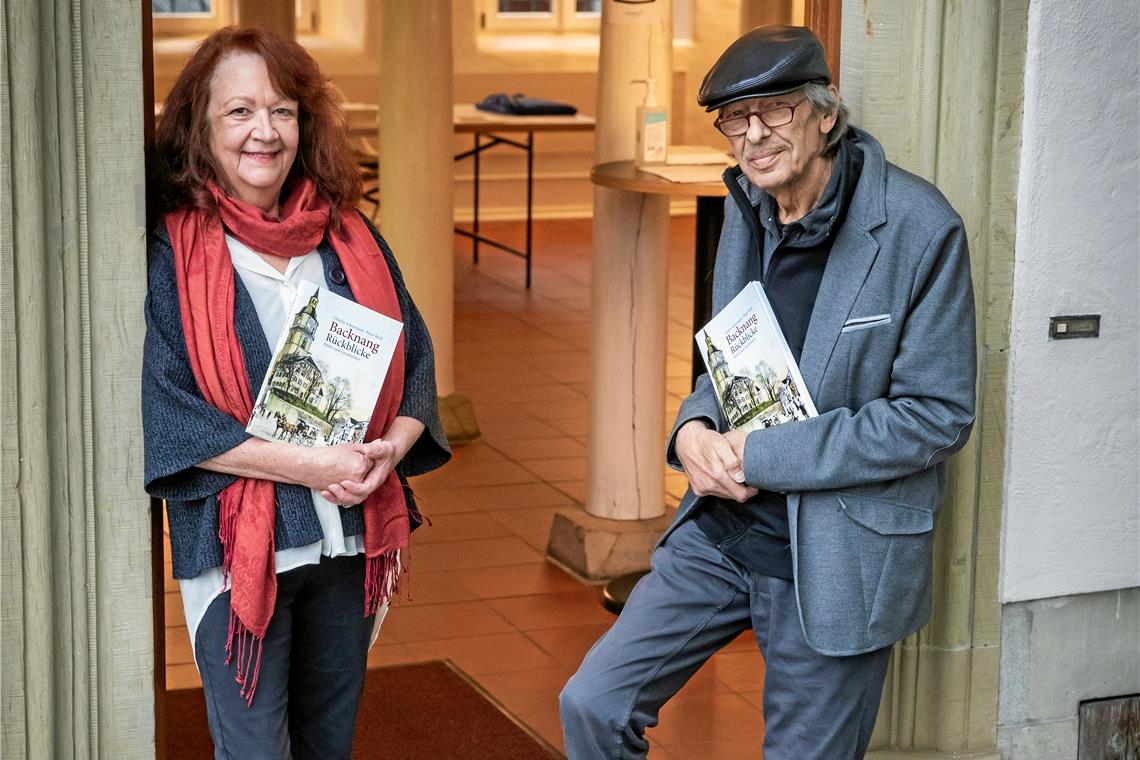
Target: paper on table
[(696, 154), (687, 173)]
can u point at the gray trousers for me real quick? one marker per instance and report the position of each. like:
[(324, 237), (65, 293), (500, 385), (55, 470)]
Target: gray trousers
[(693, 602), (312, 669)]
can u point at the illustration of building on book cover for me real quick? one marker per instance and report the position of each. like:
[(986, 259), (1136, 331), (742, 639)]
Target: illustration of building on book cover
[(327, 371), (755, 375)]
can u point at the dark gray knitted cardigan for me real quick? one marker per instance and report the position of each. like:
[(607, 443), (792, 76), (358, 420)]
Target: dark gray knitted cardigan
[(180, 429)]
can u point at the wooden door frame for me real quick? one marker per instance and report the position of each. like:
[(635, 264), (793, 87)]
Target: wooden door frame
[(824, 17)]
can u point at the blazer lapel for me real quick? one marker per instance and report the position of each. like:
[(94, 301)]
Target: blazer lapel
[(851, 257)]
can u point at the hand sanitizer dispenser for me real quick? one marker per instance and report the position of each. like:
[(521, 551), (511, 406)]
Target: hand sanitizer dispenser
[(652, 128)]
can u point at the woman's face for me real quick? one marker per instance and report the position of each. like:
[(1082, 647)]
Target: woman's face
[(254, 131)]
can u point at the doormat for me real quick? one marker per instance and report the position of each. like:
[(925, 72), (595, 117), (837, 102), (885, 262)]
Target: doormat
[(421, 711)]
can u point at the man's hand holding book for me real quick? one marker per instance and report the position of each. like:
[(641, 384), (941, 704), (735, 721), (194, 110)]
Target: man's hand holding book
[(711, 464)]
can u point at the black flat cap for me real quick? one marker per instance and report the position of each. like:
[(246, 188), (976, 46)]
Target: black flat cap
[(769, 60)]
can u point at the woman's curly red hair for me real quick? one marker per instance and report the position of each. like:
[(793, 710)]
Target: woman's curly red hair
[(182, 163)]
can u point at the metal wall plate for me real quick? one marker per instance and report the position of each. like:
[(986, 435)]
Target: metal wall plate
[(1074, 326)]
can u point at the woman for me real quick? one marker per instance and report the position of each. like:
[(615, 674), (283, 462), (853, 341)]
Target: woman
[(285, 555)]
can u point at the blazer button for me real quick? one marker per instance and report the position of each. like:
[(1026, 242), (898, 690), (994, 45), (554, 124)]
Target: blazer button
[(336, 274)]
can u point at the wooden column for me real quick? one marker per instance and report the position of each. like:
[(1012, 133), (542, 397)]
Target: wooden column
[(628, 283), (77, 658), (939, 83), (625, 500), (417, 178)]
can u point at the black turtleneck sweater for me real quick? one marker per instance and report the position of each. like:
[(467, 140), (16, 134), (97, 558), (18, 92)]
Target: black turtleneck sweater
[(794, 256)]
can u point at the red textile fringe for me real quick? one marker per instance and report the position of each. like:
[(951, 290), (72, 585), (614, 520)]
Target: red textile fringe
[(249, 651), (381, 580)]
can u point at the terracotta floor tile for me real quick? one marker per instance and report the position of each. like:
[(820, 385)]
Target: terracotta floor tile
[(753, 697), (659, 751), (703, 717), (577, 608), (411, 623), (741, 670), (570, 373), (517, 580), (704, 681), (553, 410), (430, 587), (523, 522), (724, 749), (676, 484), (745, 642), (575, 489), (568, 645), (518, 428), (516, 496), (479, 655), (183, 676), (178, 649), (478, 553), (546, 723), (679, 385), (458, 527), (546, 448), (543, 394), (498, 473), (553, 470), (525, 690), (435, 499), (559, 359), (539, 539), (172, 609), (562, 328), (574, 425), (383, 654), (472, 456)]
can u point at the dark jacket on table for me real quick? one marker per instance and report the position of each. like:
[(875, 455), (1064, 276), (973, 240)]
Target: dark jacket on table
[(181, 429)]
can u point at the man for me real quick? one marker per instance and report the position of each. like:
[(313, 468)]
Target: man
[(818, 533)]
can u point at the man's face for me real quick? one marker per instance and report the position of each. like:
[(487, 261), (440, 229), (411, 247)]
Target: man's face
[(776, 159)]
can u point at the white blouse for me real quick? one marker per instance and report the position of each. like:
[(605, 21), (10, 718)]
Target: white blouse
[(273, 293)]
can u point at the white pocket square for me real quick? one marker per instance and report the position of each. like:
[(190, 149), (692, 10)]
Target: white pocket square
[(862, 323)]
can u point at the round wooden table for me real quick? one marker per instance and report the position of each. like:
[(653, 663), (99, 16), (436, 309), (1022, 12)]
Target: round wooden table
[(709, 190)]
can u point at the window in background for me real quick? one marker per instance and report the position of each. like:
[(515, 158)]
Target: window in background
[(541, 15), (174, 18), (182, 7), (185, 18)]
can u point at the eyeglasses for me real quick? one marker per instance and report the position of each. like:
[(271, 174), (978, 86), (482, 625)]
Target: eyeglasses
[(738, 123)]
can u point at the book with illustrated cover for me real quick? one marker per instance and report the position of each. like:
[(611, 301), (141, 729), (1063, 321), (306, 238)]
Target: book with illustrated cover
[(757, 381), (327, 370)]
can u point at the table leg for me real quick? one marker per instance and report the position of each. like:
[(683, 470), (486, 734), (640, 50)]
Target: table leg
[(475, 203), (529, 194)]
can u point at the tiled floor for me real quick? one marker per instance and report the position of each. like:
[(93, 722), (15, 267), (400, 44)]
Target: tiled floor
[(481, 592)]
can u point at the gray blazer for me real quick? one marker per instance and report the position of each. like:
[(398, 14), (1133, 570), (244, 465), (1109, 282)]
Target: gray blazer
[(890, 362)]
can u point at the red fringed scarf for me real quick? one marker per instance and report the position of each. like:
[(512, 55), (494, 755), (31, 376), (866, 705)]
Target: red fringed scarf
[(206, 298)]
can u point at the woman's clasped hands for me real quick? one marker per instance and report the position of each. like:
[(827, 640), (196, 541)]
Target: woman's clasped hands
[(346, 474)]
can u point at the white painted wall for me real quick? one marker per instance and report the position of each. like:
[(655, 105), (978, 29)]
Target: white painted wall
[(1072, 501)]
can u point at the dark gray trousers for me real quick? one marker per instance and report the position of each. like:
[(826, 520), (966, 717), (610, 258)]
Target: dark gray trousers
[(312, 668), (693, 602)]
